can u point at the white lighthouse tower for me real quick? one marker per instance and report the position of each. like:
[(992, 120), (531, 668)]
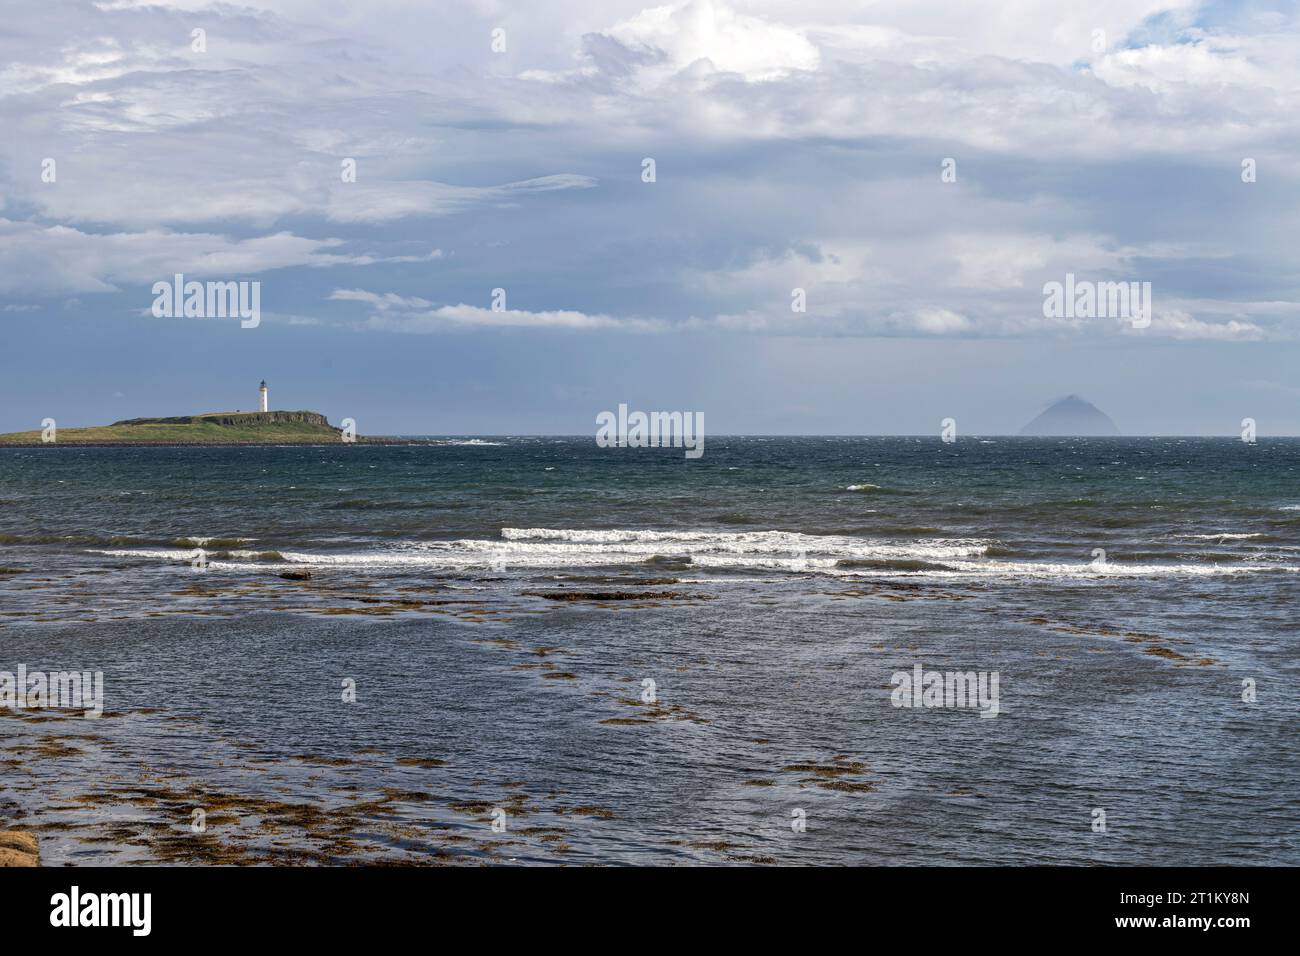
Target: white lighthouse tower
[(262, 393)]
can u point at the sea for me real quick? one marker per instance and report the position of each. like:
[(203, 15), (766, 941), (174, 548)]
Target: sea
[(537, 651)]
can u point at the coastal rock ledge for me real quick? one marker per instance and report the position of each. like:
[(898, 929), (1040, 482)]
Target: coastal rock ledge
[(19, 848)]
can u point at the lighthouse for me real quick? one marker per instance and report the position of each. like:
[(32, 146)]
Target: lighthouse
[(262, 394)]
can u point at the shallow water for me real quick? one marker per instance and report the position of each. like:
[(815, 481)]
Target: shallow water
[(770, 590)]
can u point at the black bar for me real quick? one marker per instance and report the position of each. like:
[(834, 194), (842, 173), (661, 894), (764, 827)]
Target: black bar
[(216, 905)]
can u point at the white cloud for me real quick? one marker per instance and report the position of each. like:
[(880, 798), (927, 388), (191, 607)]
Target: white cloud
[(1161, 68), (706, 35), (47, 260), (380, 301), (371, 202), (410, 314), (1177, 324)]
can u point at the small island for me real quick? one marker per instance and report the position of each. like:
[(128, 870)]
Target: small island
[(212, 428), (219, 428)]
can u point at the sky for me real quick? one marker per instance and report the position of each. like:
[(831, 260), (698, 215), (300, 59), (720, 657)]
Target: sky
[(920, 169)]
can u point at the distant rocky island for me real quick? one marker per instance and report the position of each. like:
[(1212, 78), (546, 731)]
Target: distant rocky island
[(1072, 416), (213, 428)]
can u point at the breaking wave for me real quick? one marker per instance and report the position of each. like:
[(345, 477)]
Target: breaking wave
[(720, 551)]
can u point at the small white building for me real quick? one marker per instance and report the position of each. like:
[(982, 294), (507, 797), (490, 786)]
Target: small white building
[(262, 394)]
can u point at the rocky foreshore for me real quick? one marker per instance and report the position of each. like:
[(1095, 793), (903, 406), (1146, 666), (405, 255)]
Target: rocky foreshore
[(19, 848)]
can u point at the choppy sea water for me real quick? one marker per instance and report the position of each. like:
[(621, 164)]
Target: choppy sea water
[(622, 656)]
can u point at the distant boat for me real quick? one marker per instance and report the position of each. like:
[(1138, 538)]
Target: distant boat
[(1071, 415)]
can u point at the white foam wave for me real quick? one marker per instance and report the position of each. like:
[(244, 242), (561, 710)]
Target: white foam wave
[(185, 555), (794, 552), (176, 554), (1060, 571), (791, 545), (566, 548)]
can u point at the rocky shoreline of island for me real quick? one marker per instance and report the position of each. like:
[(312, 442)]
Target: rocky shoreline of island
[(275, 443)]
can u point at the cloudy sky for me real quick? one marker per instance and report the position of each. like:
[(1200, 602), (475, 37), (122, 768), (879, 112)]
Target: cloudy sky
[(797, 144)]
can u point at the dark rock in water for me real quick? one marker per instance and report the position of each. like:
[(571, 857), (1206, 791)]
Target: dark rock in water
[(607, 595), (1071, 416), (296, 575)]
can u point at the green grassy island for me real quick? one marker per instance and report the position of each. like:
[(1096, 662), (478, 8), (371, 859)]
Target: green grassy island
[(215, 428)]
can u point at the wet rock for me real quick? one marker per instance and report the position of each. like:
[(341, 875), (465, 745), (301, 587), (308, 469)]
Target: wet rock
[(19, 848), (608, 595)]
